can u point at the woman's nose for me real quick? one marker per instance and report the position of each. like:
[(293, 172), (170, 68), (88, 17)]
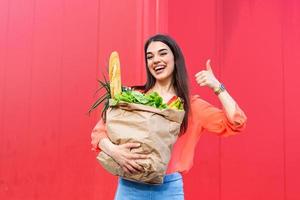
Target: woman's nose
[(156, 59)]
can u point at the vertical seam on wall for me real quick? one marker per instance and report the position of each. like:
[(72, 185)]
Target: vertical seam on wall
[(220, 71), (217, 58), (29, 119), (145, 19), (162, 16), (2, 102), (30, 63), (2, 128), (283, 20), (167, 16), (97, 39), (219, 46), (157, 16), (138, 41), (142, 41), (96, 74), (60, 111), (98, 50)]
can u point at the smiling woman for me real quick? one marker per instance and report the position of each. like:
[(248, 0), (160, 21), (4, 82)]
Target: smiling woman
[(166, 71), (160, 61), (167, 75)]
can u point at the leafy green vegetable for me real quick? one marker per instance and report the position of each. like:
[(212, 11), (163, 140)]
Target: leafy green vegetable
[(153, 99), (131, 96)]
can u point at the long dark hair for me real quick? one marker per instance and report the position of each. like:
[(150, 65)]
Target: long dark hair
[(180, 77)]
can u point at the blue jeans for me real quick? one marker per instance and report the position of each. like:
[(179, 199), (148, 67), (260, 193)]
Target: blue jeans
[(172, 188)]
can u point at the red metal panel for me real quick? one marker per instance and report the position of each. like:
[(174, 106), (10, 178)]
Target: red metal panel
[(78, 53), (15, 100), (45, 112), (121, 29), (45, 78), (248, 46), (194, 26), (253, 163), (4, 5), (161, 16), (149, 15), (291, 62)]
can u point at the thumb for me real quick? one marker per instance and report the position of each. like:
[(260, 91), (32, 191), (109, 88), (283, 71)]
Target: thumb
[(208, 66)]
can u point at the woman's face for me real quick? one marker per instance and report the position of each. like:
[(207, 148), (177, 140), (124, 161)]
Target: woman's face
[(160, 60)]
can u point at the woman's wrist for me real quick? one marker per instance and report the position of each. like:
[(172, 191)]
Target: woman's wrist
[(219, 89), (107, 146), (112, 150), (216, 85)]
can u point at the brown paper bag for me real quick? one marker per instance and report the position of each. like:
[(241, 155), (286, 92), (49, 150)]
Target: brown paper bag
[(156, 130)]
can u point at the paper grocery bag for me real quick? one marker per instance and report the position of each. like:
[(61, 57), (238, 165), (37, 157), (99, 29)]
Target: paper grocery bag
[(156, 130)]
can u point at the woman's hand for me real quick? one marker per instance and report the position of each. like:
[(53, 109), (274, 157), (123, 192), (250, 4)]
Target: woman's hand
[(207, 77), (126, 159)]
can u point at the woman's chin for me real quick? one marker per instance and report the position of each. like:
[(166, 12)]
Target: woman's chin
[(161, 77)]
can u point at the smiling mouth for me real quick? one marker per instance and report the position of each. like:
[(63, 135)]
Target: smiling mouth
[(159, 69)]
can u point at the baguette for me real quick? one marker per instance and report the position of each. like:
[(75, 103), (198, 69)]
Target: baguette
[(114, 74)]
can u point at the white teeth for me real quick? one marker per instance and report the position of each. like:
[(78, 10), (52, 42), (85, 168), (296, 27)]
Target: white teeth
[(159, 67)]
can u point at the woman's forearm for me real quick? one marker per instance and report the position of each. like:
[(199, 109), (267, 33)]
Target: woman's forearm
[(228, 104), (207, 78), (122, 155), (107, 146)]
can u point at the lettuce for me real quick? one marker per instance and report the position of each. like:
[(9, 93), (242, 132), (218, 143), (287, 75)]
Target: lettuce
[(152, 99)]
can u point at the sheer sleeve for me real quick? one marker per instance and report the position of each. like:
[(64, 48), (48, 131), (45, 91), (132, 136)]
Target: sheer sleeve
[(97, 134), (215, 120)]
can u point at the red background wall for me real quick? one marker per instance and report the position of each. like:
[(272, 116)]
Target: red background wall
[(52, 52)]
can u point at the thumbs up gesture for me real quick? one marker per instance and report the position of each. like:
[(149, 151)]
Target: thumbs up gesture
[(207, 77)]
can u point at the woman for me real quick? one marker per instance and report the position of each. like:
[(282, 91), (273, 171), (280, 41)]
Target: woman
[(166, 74)]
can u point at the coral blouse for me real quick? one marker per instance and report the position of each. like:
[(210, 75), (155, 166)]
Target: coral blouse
[(202, 116)]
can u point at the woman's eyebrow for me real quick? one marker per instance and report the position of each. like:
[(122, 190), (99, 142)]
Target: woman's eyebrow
[(158, 51), (162, 50)]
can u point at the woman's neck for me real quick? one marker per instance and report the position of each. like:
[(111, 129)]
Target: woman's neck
[(163, 88)]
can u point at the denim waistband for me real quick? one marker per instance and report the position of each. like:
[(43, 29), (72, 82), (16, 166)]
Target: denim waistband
[(172, 177), (172, 188), (167, 178)]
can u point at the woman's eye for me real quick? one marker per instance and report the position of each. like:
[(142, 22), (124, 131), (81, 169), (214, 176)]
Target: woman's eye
[(149, 57), (164, 53)]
